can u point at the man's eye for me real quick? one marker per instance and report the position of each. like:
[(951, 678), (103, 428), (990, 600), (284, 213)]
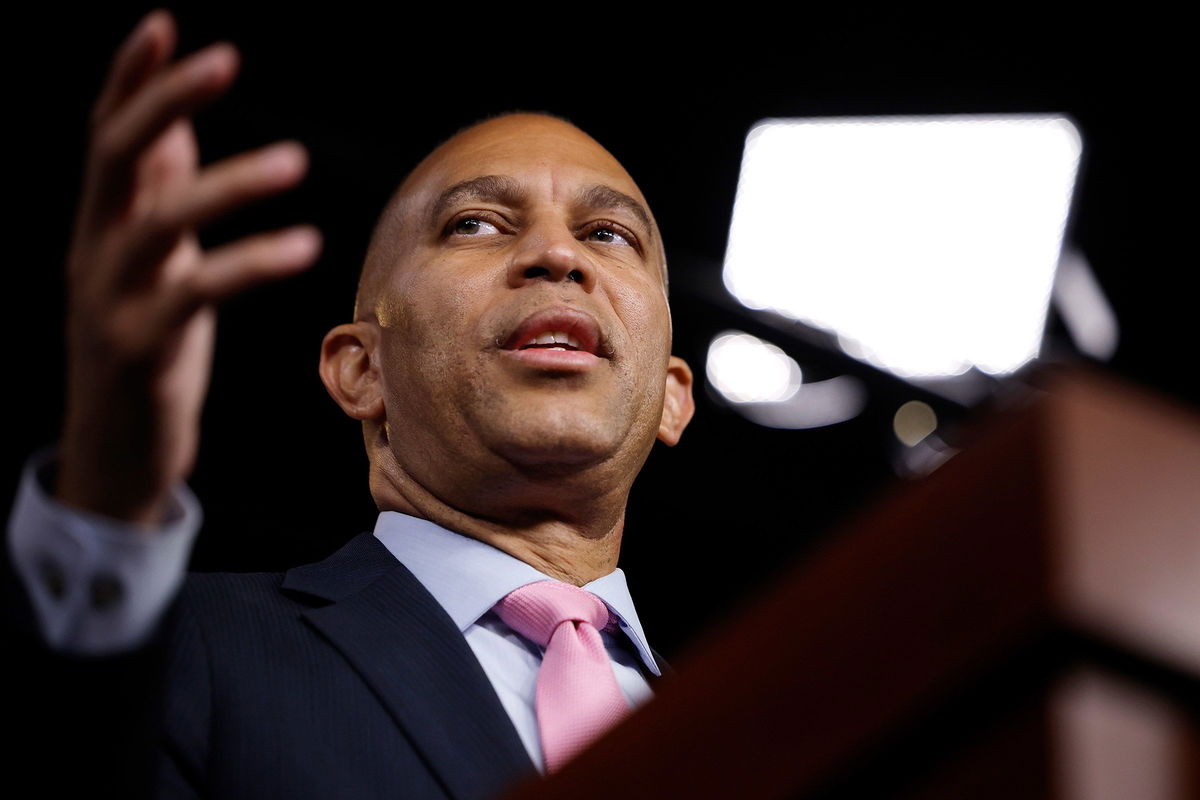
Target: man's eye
[(471, 226), (607, 235)]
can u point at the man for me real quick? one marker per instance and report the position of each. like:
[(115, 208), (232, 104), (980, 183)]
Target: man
[(509, 361)]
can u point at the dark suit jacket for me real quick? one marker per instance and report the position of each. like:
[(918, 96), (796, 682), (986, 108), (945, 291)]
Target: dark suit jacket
[(343, 678), (340, 679)]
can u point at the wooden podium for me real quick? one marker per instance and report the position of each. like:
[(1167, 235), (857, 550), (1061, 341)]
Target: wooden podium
[(1023, 623)]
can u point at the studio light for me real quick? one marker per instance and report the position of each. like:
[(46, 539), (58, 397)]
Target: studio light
[(926, 245)]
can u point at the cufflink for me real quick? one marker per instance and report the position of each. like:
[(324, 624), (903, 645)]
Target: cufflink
[(105, 591)]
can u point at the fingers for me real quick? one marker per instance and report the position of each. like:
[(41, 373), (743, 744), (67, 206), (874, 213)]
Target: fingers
[(141, 287), (220, 189), (144, 52), (171, 94), (236, 181), (238, 266), (144, 198)]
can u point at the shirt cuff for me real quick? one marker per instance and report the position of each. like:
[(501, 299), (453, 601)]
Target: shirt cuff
[(98, 586)]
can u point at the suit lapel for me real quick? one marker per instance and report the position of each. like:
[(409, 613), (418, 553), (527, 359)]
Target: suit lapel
[(393, 632), (663, 667)]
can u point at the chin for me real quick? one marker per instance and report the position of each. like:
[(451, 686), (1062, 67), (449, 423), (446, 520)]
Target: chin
[(557, 441)]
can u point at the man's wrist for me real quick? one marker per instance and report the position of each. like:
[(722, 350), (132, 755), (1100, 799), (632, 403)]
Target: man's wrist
[(96, 584)]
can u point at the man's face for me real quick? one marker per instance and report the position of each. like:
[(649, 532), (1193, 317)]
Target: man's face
[(525, 318)]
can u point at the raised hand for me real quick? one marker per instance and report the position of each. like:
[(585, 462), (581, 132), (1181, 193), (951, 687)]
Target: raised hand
[(141, 290)]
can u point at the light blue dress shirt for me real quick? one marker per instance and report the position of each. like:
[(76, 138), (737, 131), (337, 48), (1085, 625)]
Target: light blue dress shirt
[(468, 577), (62, 554)]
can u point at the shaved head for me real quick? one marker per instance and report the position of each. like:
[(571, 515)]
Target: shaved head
[(403, 216)]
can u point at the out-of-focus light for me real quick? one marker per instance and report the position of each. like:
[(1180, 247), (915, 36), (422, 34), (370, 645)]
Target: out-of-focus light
[(765, 385), (927, 245), (815, 405), (914, 421), (745, 369), (1084, 308)]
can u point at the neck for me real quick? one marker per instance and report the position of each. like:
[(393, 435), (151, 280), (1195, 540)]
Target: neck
[(526, 516)]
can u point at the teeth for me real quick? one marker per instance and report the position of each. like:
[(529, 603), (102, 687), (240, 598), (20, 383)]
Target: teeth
[(556, 337)]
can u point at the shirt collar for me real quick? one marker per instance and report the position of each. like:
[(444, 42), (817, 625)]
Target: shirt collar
[(467, 577)]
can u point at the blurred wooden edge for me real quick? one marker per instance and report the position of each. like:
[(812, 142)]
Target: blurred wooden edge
[(1073, 519)]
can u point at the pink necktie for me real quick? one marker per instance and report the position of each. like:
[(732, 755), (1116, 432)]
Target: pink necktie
[(577, 695)]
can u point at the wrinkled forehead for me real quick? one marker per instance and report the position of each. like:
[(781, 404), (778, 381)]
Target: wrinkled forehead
[(547, 155)]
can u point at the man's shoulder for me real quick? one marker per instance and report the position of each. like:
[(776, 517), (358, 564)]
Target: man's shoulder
[(230, 588), (226, 612), (356, 564), (261, 626)]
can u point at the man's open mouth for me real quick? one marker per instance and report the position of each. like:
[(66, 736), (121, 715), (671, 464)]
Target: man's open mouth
[(558, 329), (558, 340)]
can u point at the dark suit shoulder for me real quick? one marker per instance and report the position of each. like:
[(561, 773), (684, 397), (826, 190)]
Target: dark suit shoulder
[(355, 565), (324, 682), (231, 592)]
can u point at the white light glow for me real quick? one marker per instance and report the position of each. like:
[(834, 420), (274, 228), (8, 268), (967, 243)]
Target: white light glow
[(815, 405), (1083, 307), (927, 245), (765, 385), (746, 369)]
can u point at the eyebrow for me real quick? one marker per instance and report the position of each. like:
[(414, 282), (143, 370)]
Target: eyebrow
[(507, 191), (600, 196), (496, 188)]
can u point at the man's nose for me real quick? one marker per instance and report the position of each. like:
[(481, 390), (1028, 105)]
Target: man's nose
[(551, 255)]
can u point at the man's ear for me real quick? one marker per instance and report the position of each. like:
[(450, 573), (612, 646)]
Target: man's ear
[(349, 369), (678, 405)]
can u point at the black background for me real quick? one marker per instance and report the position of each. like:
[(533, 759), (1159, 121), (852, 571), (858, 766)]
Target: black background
[(282, 474)]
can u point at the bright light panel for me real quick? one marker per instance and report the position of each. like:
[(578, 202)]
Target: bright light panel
[(928, 245)]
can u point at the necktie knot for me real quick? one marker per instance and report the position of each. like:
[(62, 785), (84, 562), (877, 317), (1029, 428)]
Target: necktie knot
[(537, 609), (577, 696)]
